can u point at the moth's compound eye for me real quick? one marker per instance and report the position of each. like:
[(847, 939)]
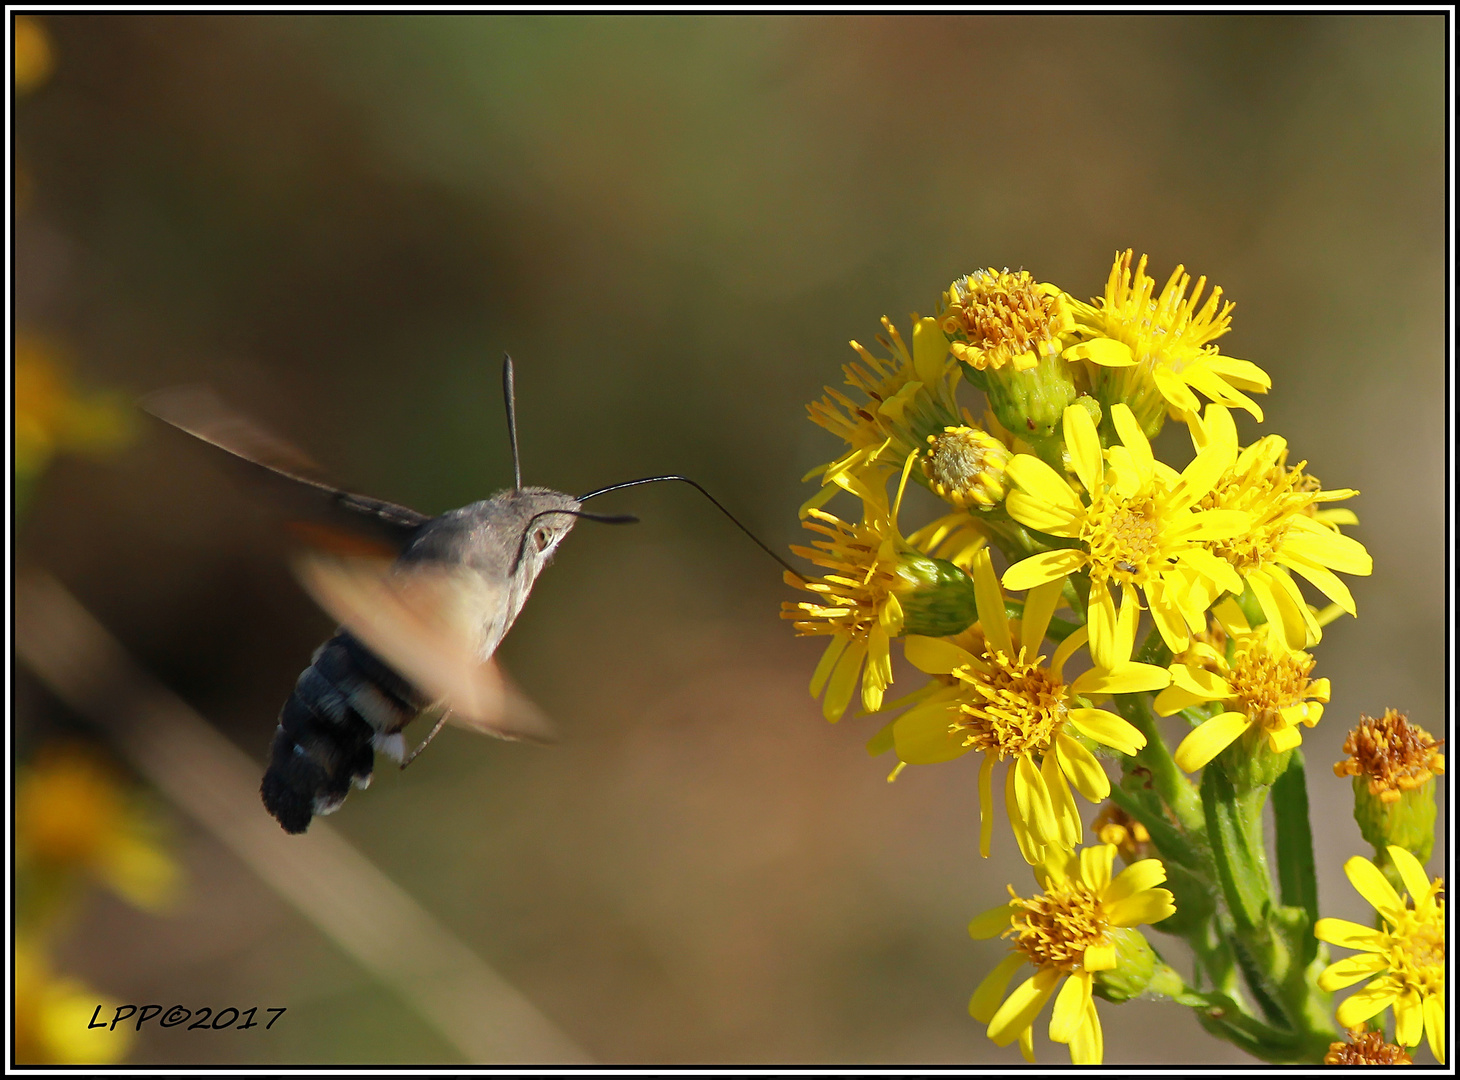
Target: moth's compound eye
[(541, 538)]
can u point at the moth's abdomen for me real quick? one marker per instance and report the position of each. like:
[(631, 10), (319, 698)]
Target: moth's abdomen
[(346, 705)]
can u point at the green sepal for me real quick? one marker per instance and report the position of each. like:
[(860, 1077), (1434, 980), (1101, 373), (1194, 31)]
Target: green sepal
[(938, 598)]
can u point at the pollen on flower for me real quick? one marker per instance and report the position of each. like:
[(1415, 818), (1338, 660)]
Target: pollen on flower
[(1268, 680), (1023, 705), (966, 466), (1057, 926), (1394, 754), (1124, 538), (1366, 1048), (997, 319)]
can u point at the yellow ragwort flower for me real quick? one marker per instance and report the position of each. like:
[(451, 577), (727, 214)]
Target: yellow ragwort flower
[(1289, 534), (1066, 934), (1151, 351), (1002, 701), (1138, 528), (910, 395), (998, 319), (1407, 954), (1394, 755), (965, 466), (1264, 687)]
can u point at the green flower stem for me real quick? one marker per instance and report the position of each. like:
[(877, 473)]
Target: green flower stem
[(1162, 773), (1271, 940)]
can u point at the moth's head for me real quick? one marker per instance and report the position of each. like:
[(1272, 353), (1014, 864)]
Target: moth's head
[(540, 518)]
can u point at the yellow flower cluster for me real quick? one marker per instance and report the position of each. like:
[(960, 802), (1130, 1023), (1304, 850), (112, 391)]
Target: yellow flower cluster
[(1034, 669)]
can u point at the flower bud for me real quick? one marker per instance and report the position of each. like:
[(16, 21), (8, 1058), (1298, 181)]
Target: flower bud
[(937, 597), (1393, 763), (1135, 964), (965, 466)]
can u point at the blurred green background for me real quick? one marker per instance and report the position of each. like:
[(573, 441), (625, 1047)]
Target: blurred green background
[(675, 223)]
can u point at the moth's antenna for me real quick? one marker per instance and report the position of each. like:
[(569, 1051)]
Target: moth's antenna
[(509, 396), (606, 519), (686, 480)]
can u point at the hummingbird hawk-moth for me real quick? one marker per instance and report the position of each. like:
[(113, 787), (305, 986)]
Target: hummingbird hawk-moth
[(422, 603)]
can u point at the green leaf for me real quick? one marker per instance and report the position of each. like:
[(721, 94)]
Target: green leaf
[(1297, 878)]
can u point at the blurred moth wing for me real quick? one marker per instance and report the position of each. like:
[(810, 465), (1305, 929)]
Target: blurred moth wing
[(419, 621)]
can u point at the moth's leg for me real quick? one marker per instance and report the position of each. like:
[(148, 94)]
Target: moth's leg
[(440, 723)]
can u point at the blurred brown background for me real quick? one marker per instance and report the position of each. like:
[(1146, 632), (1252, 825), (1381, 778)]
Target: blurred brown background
[(675, 224)]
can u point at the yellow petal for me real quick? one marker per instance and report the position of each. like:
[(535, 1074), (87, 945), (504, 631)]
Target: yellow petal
[(1374, 887), (1041, 516), (1082, 768), (921, 735), (834, 649), (1410, 872), (1046, 566), (1038, 480), (1101, 619), (1362, 1004), (1128, 678), (1067, 817), (986, 805), (985, 1000), (1210, 739), (1022, 1006), (991, 923), (843, 681), (1088, 1045), (1103, 351), (1135, 878), (1434, 1010), (1096, 862), (1409, 1019), (1107, 729), (1083, 443), (1098, 958), (935, 656), (1149, 906), (1350, 970), (1132, 438), (1069, 1008), (930, 351), (990, 598), (1033, 799), (1284, 739), (1348, 935), (1039, 606)]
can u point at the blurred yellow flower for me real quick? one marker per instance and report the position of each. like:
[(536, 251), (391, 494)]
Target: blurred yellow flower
[(1066, 933), (73, 816), (34, 57), (1407, 954), (52, 1015), (51, 415)]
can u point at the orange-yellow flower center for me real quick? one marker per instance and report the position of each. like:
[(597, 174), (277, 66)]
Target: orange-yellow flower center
[(1273, 495), (851, 596), (1018, 707), (1267, 680), (1057, 926), (1394, 754), (1003, 318), (966, 466), (1416, 949), (1124, 538), (1366, 1048)]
